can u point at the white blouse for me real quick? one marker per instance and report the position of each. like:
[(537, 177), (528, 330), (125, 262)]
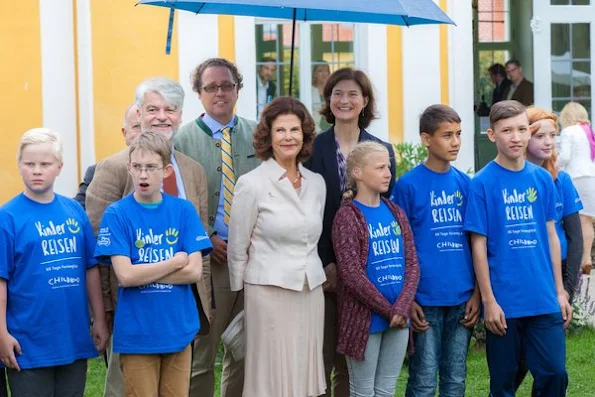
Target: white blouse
[(575, 153)]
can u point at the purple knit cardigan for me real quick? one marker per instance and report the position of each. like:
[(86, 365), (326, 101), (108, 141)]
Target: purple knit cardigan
[(357, 296)]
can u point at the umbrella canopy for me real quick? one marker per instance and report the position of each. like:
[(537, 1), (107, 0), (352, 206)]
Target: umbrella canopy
[(390, 12)]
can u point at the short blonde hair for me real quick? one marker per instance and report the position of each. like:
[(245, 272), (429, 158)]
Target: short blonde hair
[(41, 135), (152, 142), (357, 159), (573, 113)]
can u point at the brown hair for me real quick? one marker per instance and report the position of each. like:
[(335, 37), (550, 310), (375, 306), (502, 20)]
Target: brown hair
[(152, 142), (368, 113), (536, 114), (505, 110), (434, 115), (280, 106), (357, 158), (215, 62)]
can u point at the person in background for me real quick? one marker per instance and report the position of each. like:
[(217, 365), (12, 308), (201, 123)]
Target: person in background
[(266, 89), (48, 280), (577, 158), (500, 80), (130, 130), (276, 220), (222, 142), (378, 274), (349, 106), (520, 89), (320, 73), (541, 151), (160, 101)]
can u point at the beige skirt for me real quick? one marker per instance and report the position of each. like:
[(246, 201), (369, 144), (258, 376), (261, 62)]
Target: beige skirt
[(284, 337)]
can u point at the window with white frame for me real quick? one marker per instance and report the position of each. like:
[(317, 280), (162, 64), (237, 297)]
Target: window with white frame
[(320, 48)]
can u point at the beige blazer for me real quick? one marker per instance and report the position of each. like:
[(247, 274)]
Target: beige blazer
[(274, 230), (111, 182)]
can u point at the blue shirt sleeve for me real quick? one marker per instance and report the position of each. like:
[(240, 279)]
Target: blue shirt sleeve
[(112, 239), (550, 198), (6, 247), (89, 240), (195, 238), (572, 201), (401, 196), (476, 214)]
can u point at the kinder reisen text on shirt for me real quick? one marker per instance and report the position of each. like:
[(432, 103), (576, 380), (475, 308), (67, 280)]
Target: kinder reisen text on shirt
[(157, 317), (386, 263), (568, 202), (511, 208), (46, 249), (435, 206)]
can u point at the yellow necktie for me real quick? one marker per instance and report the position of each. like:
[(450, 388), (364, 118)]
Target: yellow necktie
[(229, 179)]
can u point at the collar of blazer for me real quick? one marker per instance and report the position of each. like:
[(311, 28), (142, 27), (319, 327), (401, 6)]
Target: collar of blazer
[(275, 172), (203, 126)]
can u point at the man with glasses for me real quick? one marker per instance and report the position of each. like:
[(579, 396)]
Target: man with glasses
[(160, 101), (521, 89), (222, 142)]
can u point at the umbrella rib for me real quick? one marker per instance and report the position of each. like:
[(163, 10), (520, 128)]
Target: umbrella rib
[(200, 9)]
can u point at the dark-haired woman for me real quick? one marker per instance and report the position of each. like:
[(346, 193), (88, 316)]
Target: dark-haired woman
[(349, 106)]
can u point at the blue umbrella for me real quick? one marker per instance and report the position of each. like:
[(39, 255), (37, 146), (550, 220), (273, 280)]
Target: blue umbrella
[(390, 12)]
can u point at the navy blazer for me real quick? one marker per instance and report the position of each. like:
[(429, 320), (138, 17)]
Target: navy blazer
[(324, 162)]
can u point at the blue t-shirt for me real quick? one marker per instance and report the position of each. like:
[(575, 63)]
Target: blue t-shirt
[(46, 250), (386, 264), (156, 318), (511, 209), (568, 202), (435, 208)]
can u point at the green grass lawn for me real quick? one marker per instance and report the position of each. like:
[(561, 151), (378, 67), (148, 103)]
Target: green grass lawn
[(580, 364)]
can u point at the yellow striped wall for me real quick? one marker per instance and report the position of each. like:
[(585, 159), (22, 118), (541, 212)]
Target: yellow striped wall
[(20, 79)]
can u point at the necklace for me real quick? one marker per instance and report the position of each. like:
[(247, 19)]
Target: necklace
[(297, 179)]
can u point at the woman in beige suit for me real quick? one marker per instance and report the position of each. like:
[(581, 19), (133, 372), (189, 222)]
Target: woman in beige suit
[(276, 221)]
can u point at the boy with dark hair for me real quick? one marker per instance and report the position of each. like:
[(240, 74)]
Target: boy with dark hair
[(517, 260), (446, 305), (155, 242)]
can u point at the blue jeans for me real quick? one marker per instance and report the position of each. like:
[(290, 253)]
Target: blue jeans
[(440, 349), (377, 375), (542, 340)]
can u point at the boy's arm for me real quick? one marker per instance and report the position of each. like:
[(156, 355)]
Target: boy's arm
[(100, 331), (192, 273), (556, 255), (494, 318), (130, 275), (8, 344)]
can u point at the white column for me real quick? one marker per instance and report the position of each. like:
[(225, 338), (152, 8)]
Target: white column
[(58, 84), (245, 43), (305, 63), (460, 66), (197, 41), (371, 50), (421, 75), (85, 84)]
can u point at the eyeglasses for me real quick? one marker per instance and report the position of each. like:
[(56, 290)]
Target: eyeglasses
[(225, 87), (150, 169)]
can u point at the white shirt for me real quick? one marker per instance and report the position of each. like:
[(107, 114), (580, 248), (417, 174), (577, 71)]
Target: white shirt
[(575, 153)]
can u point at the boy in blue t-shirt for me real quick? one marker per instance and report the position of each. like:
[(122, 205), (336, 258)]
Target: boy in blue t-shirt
[(155, 242), (446, 307), (516, 255), (47, 275)]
